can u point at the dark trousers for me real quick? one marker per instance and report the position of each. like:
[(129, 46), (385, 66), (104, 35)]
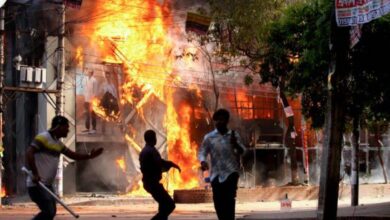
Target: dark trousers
[(45, 202), (224, 196), (166, 205), (89, 114)]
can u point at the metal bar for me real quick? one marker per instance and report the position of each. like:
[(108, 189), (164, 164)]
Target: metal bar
[(25, 89), (28, 172), (2, 17)]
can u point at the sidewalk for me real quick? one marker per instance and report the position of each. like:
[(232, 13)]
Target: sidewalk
[(370, 211), (101, 206)]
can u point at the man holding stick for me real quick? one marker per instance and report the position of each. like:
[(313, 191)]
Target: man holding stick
[(42, 159)]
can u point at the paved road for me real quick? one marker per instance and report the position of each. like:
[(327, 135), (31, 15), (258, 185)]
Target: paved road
[(257, 210), (101, 215), (133, 212)]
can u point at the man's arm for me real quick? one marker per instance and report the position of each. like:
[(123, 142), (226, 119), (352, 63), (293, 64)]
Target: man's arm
[(237, 143), (77, 156), (30, 159), (166, 164), (202, 155)]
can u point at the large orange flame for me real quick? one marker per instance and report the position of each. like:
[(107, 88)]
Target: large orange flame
[(180, 148), (136, 34)]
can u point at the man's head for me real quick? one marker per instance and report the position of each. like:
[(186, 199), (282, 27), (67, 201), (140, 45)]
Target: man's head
[(221, 119), (90, 73), (60, 126), (150, 137)]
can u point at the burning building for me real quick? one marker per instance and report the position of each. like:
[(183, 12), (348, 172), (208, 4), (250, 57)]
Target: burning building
[(138, 44), (140, 49)]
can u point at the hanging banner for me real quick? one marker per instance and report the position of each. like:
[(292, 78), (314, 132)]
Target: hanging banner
[(353, 12), (197, 23)]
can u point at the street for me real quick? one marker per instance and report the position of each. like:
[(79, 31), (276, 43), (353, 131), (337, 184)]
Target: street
[(205, 211)]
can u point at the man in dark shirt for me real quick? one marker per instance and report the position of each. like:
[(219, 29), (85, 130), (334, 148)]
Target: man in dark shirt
[(152, 166)]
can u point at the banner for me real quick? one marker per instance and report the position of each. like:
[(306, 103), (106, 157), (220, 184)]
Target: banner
[(197, 23), (353, 12)]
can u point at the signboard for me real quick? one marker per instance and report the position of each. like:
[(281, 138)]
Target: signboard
[(197, 23), (353, 12)]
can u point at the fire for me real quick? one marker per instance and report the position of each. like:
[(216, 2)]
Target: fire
[(102, 113), (79, 56), (180, 147), (190, 54), (138, 190), (121, 163), (136, 34), (244, 105), (2, 192)]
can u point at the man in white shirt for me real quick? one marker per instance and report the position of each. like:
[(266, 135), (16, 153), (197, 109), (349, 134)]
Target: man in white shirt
[(224, 147), (90, 92)]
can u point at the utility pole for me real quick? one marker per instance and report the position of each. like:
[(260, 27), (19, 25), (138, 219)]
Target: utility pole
[(60, 82), (355, 162), (61, 62), (2, 60), (334, 121)]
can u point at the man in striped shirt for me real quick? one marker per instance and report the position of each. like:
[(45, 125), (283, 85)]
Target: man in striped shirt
[(224, 147), (42, 159)]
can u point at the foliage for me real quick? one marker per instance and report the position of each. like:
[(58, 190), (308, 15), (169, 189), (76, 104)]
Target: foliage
[(370, 72), (239, 30), (298, 52), (288, 45)]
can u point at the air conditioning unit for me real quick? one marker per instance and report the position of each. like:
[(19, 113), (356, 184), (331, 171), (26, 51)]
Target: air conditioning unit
[(26, 76), (33, 77), (43, 75), (29, 74), (38, 75), (38, 78)]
